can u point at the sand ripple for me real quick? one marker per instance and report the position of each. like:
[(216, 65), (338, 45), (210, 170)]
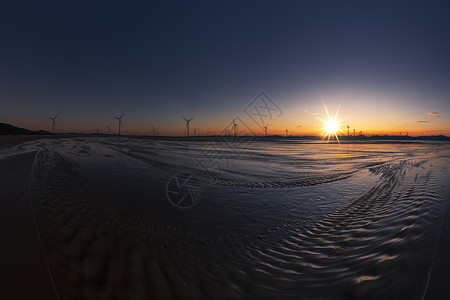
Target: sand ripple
[(105, 244)]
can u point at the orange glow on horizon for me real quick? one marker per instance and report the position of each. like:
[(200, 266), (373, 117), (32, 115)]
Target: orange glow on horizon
[(295, 120)]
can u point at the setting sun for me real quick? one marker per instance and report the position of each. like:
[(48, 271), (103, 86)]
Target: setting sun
[(332, 126)]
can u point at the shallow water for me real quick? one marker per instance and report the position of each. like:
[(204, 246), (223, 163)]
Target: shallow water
[(271, 220)]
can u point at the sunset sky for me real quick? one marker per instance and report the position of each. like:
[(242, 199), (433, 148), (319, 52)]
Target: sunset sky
[(385, 65)]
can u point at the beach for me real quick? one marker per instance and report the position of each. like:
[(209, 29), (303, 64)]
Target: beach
[(111, 217), (24, 272)]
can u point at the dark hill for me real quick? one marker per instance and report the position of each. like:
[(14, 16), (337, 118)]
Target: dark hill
[(7, 129)]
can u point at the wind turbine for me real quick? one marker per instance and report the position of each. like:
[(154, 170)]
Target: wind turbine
[(53, 122), (154, 131), (235, 126), (108, 127), (265, 130), (120, 120), (287, 133), (348, 130), (187, 125)]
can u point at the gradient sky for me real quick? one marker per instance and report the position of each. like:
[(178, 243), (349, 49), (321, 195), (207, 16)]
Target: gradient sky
[(386, 65)]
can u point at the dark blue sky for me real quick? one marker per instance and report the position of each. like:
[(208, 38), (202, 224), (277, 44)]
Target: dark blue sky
[(158, 60)]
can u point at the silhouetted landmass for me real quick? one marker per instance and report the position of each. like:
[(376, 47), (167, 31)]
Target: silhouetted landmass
[(6, 129), (42, 132)]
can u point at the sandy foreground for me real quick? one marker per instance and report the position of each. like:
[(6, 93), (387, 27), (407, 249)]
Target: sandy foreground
[(24, 273), (108, 230), (438, 287)]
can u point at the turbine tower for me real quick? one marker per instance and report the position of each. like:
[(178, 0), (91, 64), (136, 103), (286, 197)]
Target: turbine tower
[(235, 126), (53, 122), (120, 120), (287, 133), (108, 127), (187, 125), (348, 130), (154, 130), (265, 130)]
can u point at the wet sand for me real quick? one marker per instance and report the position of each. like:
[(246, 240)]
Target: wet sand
[(306, 221), (438, 286), (23, 272), (9, 140)]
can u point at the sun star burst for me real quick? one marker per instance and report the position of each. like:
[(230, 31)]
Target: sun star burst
[(332, 126)]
